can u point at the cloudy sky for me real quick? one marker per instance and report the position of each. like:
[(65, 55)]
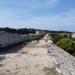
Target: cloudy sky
[(42, 14)]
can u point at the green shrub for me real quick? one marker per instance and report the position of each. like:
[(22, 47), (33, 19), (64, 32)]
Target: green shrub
[(67, 44)]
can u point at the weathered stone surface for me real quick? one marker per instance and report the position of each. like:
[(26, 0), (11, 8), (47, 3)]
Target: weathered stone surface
[(32, 59), (7, 39), (38, 58), (63, 60)]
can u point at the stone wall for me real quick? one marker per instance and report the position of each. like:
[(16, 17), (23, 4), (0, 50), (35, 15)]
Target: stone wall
[(7, 39), (65, 63)]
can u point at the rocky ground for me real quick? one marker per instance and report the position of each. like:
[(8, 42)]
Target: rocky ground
[(39, 57)]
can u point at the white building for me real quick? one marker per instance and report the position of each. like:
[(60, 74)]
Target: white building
[(73, 35), (38, 32)]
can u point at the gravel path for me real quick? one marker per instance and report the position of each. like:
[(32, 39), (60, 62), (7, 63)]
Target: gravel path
[(32, 59)]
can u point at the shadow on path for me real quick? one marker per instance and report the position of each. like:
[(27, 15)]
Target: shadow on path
[(13, 49)]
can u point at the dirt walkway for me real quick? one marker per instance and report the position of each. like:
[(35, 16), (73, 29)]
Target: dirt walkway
[(33, 59)]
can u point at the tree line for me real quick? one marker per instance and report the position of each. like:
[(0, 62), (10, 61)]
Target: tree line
[(19, 31)]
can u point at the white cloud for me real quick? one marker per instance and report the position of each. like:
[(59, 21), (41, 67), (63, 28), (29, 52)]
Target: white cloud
[(67, 18)]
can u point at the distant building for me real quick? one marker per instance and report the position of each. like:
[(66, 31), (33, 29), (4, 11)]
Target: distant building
[(39, 32), (73, 35), (65, 34)]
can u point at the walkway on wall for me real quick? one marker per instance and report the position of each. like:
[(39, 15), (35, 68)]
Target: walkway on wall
[(39, 57), (33, 59)]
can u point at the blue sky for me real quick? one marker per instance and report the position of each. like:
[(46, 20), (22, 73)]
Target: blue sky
[(42, 14)]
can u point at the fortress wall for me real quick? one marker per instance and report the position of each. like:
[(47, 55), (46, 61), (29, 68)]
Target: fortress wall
[(7, 39)]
